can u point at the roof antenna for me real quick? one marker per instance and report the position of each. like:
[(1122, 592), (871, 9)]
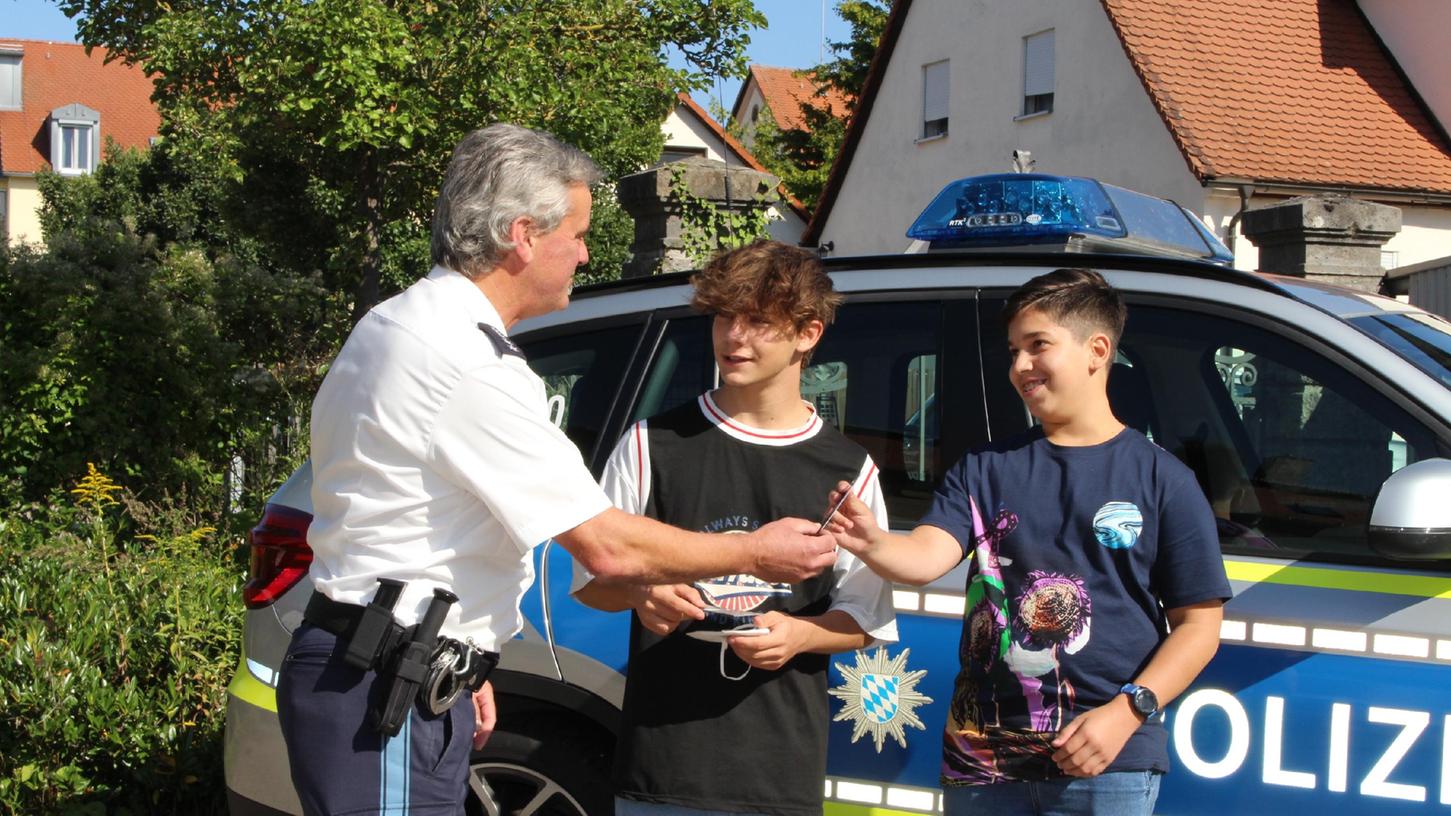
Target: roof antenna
[(821, 49), (1023, 161)]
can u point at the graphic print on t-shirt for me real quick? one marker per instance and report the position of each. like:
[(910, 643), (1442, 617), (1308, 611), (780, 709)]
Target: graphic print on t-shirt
[(1116, 525), (1002, 646), (741, 592)]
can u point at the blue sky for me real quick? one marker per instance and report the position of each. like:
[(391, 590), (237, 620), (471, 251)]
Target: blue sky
[(792, 37)]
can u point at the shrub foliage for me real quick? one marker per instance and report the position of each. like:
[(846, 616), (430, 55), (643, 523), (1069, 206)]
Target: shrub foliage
[(119, 624)]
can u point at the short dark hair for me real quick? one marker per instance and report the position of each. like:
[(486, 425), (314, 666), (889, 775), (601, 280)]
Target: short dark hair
[(783, 284), (1077, 299)]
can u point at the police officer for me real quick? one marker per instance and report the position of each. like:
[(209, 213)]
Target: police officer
[(435, 472)]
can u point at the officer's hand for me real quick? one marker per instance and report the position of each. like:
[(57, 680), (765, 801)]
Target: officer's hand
[(662, 607), (772, 650), (485, 716), (1088, 744), (789, 551), (854, 524)]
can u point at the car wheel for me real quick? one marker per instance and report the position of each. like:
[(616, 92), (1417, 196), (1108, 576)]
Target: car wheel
[(552, 767)]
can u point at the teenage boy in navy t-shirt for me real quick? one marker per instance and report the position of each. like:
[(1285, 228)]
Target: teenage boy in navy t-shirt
[(1096, 587)]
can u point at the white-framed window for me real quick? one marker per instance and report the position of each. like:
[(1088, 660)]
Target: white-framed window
[(75, 136), (1389, 259), (934, 99), (1038, 73), (10, 84), (75, 148)]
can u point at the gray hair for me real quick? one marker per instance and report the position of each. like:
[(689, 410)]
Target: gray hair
[(499, 174)]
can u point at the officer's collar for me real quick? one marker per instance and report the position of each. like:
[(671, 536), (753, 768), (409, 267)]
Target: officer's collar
[(468, 296)]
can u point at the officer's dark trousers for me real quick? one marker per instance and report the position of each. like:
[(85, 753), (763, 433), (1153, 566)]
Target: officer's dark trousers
[(340, 765)]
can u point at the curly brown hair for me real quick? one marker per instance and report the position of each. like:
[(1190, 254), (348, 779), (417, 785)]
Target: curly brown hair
[(783, 284)]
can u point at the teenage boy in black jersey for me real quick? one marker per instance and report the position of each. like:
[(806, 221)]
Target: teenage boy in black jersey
[(737, 724), (1095, 590)]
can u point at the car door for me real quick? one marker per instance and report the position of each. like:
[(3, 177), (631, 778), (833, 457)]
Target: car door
[(1328, 687)]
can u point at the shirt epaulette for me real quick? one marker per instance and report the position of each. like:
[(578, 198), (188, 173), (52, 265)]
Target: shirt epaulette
[(501, 341)]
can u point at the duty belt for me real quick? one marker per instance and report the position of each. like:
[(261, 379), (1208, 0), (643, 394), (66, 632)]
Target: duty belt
[(414, 661)]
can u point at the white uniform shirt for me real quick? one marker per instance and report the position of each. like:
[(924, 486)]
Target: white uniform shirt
[(857, 591), (434, 462)]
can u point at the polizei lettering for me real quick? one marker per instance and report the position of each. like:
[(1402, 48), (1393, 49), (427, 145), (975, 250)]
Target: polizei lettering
[(1392, 732)]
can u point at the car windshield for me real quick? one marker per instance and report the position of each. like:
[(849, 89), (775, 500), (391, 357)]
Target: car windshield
[(1423, 339)]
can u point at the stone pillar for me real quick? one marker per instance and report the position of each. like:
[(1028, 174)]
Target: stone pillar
[(1330, 238), (647, 197)]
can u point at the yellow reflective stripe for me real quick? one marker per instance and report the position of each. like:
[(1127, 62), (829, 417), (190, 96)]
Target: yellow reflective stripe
[(841, 809), (249, 689), (1420, 586)]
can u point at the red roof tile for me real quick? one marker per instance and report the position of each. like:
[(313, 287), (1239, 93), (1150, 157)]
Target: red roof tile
[(786, 89), (1286, 91), (54, 75)]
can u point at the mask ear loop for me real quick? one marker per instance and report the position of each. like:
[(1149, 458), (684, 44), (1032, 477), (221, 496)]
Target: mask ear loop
[(723, 647)]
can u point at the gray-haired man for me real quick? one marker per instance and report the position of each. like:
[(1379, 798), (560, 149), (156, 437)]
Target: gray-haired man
[(435, 473)]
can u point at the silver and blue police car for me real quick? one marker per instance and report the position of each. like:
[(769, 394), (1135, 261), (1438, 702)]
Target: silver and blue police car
[(1317, 420)]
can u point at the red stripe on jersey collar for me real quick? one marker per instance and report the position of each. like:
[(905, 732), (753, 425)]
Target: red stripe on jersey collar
[(762, 436)]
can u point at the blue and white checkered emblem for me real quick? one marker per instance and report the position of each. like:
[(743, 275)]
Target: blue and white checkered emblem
[(879, 696)]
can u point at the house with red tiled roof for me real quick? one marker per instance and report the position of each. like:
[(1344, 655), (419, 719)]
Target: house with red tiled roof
[(781, 92), (58, 106), (1220, 105), (690, 132)]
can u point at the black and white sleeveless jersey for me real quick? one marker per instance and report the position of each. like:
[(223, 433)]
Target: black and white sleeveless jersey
[(691, 736)]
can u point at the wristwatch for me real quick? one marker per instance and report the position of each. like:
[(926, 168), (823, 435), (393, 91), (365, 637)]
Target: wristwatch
[(1144, 701)]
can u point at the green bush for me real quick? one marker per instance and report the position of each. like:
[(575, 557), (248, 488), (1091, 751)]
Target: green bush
[(119, 627)]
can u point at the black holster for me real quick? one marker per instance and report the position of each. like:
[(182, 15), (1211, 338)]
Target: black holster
[(408, 668)]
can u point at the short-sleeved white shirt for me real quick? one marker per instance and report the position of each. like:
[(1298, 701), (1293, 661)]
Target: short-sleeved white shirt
[(434, 462)]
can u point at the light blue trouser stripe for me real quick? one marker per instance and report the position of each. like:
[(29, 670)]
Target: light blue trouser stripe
[(393, 799)]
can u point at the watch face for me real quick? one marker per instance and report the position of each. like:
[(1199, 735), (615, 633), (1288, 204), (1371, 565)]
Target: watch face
[(1145, 701)]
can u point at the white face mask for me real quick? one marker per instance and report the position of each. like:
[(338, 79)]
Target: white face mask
[(724, 646)]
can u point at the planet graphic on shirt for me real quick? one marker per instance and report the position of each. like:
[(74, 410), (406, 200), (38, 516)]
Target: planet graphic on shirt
[(1116, 525)]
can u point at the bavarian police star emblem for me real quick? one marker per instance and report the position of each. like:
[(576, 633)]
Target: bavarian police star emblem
[(880, 696)]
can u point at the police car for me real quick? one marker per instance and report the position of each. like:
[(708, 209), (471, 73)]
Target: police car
[(1317, 420)]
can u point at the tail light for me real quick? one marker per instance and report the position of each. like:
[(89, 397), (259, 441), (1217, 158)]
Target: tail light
[(280, 555)]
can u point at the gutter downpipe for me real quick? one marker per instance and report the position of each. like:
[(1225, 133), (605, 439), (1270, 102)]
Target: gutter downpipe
[(1245, 191)]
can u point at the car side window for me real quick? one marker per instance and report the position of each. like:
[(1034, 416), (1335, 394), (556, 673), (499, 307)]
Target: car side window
[(1289, 446), (582, 372), (875, 376), (683, 368)]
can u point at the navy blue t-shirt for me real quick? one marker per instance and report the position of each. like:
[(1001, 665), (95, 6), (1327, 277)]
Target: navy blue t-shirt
[(1076, 552)]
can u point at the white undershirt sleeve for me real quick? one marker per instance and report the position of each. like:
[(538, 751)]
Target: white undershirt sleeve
[(859, 592)]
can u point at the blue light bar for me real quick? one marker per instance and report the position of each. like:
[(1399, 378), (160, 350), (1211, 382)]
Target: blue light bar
[(1079, 214)]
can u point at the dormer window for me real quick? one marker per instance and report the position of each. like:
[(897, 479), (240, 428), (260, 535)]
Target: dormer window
[(10, 83), (75, 136), (10, 79)]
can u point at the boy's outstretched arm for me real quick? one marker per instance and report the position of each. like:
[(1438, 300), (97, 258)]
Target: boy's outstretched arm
[(920, 557), (1087, 745)]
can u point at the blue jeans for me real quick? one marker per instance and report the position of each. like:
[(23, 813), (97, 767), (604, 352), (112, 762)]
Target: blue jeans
[(629, 807), (1125, 793)]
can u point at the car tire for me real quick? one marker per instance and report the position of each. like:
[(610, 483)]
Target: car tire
[(551, 766)]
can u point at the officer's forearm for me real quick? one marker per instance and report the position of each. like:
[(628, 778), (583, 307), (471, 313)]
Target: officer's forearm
[(618, 546)]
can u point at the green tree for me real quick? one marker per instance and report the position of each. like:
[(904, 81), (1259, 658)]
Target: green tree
[(334, 118), (147, 339), (802, 157)]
